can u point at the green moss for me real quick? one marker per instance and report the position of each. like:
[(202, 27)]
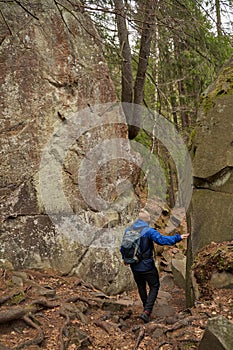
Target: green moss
[(207, 104), (190, 344), (143, 138), (192, 135), (10, 284), (16, 299), (223, 86), (191, 138)]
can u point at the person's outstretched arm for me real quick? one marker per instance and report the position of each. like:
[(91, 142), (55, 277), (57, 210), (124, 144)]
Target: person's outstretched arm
[(165, 240)]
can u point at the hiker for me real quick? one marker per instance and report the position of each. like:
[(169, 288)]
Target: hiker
[(144, 271)]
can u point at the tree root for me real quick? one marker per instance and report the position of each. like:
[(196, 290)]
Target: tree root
[(15, 313), (62, 330), (37, 340), (163, 343), (9, 296), (75, 298)]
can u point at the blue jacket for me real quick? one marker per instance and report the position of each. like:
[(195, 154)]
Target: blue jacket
[(148, 236)]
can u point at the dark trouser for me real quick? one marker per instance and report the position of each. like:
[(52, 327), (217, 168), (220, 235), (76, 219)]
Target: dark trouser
[(152, 279)]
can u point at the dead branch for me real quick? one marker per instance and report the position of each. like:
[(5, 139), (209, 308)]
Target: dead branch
[(191, 340), (104, 325), (95, 37), (139, 338)]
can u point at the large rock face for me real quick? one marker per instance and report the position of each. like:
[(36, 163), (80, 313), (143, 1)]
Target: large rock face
[(210, 217), (51, 66)]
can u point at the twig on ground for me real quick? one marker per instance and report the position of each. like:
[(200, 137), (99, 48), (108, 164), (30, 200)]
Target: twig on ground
[(139, 338), (104, 325)]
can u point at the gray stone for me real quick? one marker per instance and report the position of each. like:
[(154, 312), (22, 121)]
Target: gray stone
[(46, 292), (163, 298), (222, 280), (167, 282), (195, 286), (6, 264), (164, 311), (157, 333), (105, 270), (218, 335), (18, 281), (179, 271), (21, 274), (114, 306)]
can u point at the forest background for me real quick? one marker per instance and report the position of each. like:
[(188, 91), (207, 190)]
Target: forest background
[(164, 55)]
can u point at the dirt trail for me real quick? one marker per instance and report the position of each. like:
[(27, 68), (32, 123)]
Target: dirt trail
[(59, 312)]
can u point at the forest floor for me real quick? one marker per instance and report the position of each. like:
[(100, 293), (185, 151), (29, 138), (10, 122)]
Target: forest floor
[(53, 312)]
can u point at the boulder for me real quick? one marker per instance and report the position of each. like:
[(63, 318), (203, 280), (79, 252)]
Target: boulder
[(105, 270), (179, 271), (218, 335), (222, 280)]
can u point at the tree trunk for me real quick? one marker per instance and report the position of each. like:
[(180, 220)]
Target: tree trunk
[(126, 65), (183, 113), (218, 16), (145, 44), (136, 94)]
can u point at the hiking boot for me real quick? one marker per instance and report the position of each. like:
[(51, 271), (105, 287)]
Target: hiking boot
[(145, 317)]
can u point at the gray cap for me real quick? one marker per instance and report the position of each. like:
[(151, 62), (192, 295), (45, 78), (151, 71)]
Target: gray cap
[(144, 215)]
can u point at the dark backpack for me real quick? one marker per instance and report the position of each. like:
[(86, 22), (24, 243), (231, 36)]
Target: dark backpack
[(130, 246)]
